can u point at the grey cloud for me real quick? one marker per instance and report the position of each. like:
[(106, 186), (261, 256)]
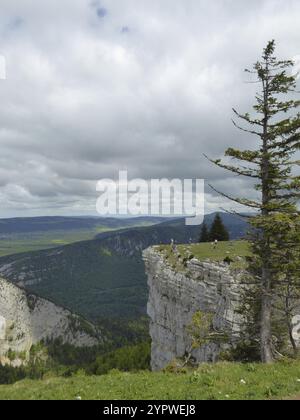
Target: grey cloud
[(101, 12), (82, 101)]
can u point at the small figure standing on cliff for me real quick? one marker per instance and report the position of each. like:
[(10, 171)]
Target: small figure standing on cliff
[(173, 246), (215, 244)]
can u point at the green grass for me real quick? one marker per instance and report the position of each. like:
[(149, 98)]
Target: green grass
[(210, 382), (206, 251), (235, 250)]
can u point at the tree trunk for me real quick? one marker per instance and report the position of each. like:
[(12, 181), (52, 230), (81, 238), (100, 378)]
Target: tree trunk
[(266, 297), (266, 323), (266, 280)]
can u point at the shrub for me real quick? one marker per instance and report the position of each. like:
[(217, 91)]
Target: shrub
[(126, 359)]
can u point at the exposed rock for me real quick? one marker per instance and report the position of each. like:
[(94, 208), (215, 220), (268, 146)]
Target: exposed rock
[(26, 319), (176, 295)]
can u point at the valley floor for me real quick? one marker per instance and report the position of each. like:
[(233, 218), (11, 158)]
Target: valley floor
[(224, 381)]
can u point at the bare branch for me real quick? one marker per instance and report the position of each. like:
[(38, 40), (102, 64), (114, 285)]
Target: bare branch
[(243, 202), (245, 130)]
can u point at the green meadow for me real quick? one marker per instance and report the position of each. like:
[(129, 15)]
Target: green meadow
[(224, 381)]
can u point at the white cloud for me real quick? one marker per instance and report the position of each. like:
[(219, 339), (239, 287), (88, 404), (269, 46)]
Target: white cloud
[(2, 68)]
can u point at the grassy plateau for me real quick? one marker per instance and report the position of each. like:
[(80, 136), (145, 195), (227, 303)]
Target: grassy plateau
[(236, 251)]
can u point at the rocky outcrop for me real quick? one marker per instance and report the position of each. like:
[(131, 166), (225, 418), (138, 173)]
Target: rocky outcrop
[(174, 297), (26, 319)]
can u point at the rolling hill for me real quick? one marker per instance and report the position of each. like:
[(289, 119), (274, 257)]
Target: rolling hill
[(48, 224), (103, 277), (36, 233)]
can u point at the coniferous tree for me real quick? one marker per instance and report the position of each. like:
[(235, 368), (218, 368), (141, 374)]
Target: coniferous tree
[(218, 231), (204, 237), (276, 125)]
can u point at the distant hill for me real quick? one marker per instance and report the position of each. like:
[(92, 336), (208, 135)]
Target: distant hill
[(103, 277), (47, 224), (37, 233)]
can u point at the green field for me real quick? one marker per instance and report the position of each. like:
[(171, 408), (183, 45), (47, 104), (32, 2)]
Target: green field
[(225, 381), (35, 241), (19, 243)]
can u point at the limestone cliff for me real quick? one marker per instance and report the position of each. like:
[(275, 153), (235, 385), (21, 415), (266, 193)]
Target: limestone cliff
[(26, 319), (176, 295)]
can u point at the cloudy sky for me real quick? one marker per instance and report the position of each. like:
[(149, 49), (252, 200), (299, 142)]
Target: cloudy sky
[(94, 87)]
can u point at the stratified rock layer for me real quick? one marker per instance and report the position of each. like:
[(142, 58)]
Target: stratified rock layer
[(176, 296)]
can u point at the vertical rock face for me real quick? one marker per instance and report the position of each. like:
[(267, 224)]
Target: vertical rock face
[(176, 295), (26, 320), (296, 328), (2, 327), (174, 298)]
